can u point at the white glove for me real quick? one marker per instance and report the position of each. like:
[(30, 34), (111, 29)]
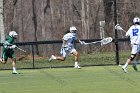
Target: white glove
[(82, 43), (13, 46), (67, 47)]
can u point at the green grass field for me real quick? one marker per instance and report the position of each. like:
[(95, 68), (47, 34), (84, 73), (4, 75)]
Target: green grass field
[(99, 58), (94, 79)]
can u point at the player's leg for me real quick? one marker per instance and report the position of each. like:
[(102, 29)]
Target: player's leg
[(124, 67), (61, 58), (134, 65), (133, 55), (13, 61), (4, 57), (76, 56)]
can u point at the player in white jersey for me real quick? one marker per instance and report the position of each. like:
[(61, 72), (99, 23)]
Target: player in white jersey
[(134, 34), (68, 47)]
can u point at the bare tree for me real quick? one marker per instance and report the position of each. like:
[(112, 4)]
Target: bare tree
[(2, 34), (35, 24), (40, 20)]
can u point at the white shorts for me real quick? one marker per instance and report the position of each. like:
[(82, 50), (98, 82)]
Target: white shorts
[(65, 51), (135, 49)]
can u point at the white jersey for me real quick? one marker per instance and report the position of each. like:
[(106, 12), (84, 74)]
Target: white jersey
[(69, 45), (134, 34), (70, 38)]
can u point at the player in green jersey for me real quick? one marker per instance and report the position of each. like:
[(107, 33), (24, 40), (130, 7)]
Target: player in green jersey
[(8, 50)]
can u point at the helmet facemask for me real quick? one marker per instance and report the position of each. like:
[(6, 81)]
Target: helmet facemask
[(136, 20), (73, 30)]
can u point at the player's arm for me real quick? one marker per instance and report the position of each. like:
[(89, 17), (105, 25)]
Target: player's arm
[(64, 43), (81, 42), (8, 45), (65, 38), (128, 32), (127, 35)]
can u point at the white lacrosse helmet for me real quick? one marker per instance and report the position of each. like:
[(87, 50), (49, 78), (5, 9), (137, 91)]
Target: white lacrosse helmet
[(136, 20), (73, 29), (12, 33)]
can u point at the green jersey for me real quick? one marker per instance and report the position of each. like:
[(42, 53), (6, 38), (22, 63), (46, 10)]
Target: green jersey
[(8, 41), (7, 51)]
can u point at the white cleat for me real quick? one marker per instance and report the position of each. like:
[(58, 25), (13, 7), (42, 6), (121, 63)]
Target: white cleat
[(14, 72), (77, 67), (51, 58), (124, 69)]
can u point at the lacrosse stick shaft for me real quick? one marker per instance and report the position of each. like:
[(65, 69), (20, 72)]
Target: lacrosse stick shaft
[(118, 27), (21, 49), (95, 42), (103, 41), (91, 43), (123, 30)]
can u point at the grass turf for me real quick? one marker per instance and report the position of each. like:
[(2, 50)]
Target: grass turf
[(100, 58), (95, 79)]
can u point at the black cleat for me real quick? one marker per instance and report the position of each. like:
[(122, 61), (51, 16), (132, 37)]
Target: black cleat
[(135, 67)]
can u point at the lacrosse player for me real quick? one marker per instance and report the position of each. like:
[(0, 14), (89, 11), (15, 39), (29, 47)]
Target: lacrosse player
[(68, 47), (8, 50), (134, 34)]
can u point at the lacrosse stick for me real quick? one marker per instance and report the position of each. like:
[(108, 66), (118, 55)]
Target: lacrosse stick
[(119, 28), (103, 41), (21, 49)]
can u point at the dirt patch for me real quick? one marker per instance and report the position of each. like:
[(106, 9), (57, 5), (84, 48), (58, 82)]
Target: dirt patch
[(29, 57)]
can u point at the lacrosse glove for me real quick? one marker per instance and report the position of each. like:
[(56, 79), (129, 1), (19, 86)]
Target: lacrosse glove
[(13, 46)]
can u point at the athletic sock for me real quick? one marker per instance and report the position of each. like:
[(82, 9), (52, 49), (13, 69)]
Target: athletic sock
[(76, 63), (135, 63), (126, 64), (14, 69)]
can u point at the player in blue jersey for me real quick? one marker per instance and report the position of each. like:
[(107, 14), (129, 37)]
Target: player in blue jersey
[(68, 47)]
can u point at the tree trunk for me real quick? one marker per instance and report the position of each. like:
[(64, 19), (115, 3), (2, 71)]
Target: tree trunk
[(2, 34), (35, 26), (83, 19), (108, 10)]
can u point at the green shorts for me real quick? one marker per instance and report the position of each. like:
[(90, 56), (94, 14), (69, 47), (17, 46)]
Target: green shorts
[(7, 53)]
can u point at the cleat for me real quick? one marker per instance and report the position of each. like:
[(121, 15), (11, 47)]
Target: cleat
[(51, 58), (135, 67), (14, 72), (77, 67), (124, 69)]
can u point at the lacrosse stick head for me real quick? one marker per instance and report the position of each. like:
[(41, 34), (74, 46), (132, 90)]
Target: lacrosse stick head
[(106, 40), (118, 27)]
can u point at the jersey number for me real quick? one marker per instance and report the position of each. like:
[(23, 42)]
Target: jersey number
[(135, 32)]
